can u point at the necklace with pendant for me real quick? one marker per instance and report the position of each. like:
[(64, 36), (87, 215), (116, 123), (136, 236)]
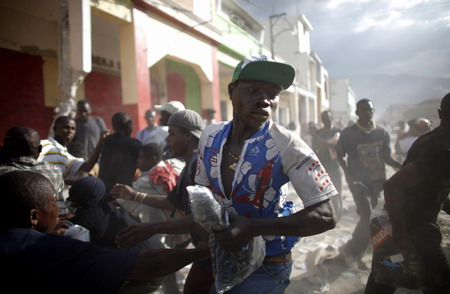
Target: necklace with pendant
[(235, 159)]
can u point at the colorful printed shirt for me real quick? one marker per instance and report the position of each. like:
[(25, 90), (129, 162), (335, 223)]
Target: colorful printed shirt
[(270, 159)]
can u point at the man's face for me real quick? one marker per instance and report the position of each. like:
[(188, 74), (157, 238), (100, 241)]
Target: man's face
[(177, 141), (150, 118), (253, 101), (365, 111), (326, 118), (144, 162), (65, 131), (84, 111), (165, 116)]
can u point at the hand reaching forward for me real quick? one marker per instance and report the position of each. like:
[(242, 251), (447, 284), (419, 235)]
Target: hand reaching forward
[(237, 235), (122, 191)]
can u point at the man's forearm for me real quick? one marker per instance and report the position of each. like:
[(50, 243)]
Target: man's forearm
[(182, 225), (156, 201), (158, 263), (343, 164), (310, 221), (392, 162), (92, 160)]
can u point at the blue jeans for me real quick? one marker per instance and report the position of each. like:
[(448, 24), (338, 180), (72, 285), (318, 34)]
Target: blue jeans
[(270, 278)]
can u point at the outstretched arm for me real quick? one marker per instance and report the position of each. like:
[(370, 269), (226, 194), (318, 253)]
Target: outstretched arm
[(127, 193), (157, 263), (92, 160), (312, 220), (392, 162), (136, 233)]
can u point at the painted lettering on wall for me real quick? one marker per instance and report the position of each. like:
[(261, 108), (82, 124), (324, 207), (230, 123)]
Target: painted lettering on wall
[(106, 63)]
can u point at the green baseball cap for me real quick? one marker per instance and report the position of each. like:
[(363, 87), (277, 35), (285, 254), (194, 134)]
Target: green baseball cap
[(263, 68)]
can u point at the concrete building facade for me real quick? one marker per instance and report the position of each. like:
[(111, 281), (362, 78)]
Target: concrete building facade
[(342, 102), (129, 55)]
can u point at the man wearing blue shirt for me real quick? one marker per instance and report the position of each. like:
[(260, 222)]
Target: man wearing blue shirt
[(248, 162)]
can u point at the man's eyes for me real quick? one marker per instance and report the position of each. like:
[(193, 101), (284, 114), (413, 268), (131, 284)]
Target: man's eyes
[(255, 90)]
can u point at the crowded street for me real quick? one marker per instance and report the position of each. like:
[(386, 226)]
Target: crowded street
[(314, 269), (225, 146)]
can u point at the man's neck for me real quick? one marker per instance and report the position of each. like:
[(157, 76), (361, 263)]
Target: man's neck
[(328, 128), (188, 156), (365, 124), (62, 143), (445, 125), (240, 133)]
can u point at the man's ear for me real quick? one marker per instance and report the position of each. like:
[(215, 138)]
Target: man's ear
[(34, 218), (231, 88)]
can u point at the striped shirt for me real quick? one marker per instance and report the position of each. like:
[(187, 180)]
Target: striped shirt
[(57, 155)]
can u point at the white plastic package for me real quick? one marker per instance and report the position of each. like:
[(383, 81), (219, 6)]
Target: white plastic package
[(229, 267), (78, 232)]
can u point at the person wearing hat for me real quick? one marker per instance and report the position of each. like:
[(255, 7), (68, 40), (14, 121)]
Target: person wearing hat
[(185, 129), (166, 111), (247, 164)]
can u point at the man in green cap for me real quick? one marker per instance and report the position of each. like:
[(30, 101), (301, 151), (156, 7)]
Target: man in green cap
[(248, 162)]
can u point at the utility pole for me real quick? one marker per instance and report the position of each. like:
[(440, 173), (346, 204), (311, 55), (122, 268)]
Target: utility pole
[(273, 20)]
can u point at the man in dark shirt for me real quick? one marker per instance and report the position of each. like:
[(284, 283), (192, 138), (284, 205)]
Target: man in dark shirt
[(119, 153), (37, 258), (367, 147), (414, 197), (89, 127)]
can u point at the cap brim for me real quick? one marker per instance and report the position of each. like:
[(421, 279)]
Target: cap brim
[(268, 71), (196, 133)]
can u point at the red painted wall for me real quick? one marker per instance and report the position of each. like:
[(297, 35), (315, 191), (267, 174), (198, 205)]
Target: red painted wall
[(176, 88), (104, 92), (22, 93)]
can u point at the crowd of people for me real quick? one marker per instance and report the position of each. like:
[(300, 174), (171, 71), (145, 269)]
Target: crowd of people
[(129, 195)]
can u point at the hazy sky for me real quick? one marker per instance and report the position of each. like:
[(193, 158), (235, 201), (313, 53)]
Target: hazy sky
[(357, 37)]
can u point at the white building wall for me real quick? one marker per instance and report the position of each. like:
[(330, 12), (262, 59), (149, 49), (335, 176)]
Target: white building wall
[(343, 100)]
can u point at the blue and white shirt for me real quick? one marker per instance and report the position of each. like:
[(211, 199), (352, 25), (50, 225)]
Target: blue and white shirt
[(270, 159)]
